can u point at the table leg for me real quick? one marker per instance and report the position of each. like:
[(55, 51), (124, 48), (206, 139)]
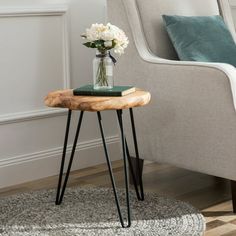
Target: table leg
[(137, 154), (111, 171), (140, 194), (60, 192)]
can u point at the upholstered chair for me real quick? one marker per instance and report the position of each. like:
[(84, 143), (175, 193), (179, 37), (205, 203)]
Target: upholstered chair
[(191, 120)]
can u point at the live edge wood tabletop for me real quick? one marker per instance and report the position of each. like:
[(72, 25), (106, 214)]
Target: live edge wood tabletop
[(66, 99)]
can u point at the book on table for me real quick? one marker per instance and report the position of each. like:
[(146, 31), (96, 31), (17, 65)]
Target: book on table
[(116, 91)]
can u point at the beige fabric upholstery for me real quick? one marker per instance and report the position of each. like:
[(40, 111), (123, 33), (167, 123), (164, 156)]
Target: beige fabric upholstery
[(191, 120), (151, 12)]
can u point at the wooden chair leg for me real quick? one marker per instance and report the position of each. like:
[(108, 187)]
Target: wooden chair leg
[(134, 164), (233, 191)]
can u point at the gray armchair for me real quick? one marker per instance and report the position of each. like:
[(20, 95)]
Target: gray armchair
[(191, 120)]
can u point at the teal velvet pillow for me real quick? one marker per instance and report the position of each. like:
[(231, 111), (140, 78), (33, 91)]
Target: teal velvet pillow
[(201, 38)]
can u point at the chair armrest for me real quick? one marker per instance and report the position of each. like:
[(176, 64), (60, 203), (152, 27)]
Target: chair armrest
[(180, 86), (215, 70), (227, 69)]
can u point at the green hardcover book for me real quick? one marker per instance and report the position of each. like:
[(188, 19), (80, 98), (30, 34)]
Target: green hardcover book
[(116, 91)]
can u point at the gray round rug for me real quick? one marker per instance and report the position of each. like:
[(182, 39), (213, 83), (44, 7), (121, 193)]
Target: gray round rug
[(92, 211)]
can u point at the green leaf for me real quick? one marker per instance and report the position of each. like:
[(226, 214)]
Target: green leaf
[(113, 43), (90, 45), (99, 44)]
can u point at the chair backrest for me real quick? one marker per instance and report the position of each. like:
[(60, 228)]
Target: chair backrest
[(151, 12)]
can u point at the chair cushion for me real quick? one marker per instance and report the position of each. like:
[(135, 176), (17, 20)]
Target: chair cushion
[(201, 38)]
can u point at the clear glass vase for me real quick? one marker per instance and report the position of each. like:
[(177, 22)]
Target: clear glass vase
[(102, 71)]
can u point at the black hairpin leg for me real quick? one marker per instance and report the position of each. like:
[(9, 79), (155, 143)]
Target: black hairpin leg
[(60, 192), (111, 172), (140, 195)]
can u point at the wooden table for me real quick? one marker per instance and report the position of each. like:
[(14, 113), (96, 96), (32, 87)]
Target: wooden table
[(66, 99)]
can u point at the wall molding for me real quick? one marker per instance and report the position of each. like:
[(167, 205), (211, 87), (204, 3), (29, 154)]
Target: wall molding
[(38, 165), (41, 10), (31, 115), (31, 10), (94, 143)]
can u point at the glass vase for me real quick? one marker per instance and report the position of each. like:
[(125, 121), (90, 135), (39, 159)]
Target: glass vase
[(102, 71)]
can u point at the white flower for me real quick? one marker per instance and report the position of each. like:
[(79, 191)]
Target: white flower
[(107, 34), (119, 50), (95, 31), (108, 44), (120, 39)]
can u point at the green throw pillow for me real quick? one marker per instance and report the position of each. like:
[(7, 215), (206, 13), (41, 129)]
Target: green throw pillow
[(201, 38)]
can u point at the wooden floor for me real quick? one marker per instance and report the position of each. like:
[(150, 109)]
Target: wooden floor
[(209, 194)]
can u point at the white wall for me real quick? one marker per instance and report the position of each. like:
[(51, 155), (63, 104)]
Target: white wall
[(31, 64), (33, 61)]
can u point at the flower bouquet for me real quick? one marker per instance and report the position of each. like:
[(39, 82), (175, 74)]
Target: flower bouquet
[(105, 38)]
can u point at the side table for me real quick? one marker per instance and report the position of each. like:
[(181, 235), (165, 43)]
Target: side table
[(66, 99)]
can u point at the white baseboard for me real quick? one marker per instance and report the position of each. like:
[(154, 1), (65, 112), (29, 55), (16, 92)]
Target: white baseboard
[(46, 163)]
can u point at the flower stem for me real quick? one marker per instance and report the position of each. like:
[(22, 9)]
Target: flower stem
[(101, 73)]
